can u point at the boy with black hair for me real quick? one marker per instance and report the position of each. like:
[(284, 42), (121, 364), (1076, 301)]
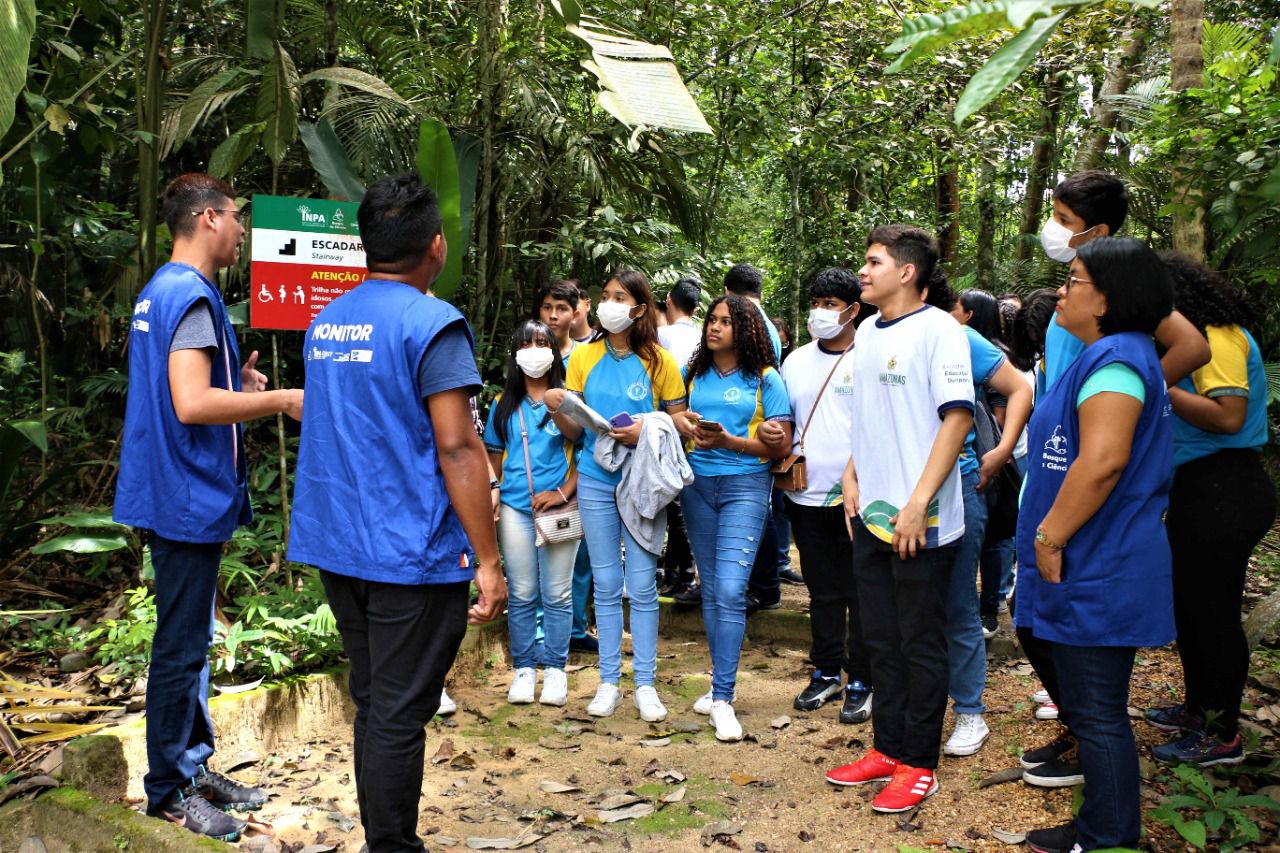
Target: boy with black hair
[(581, 329), (557, 306), (390, 499), (682, 334), (912, 407), (747, 280), (185, 485)]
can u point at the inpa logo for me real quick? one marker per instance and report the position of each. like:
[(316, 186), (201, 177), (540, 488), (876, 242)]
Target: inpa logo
[(732, 395), (304, 212)]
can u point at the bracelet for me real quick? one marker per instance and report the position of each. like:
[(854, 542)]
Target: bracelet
[(562, 496), (1043, 539), (494, 484)]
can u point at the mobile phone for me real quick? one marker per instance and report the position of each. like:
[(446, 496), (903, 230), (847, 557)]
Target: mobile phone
[(621, 420), (710, 426)]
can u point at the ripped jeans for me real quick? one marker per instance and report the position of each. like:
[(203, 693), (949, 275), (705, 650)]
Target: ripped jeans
[(725, 516)]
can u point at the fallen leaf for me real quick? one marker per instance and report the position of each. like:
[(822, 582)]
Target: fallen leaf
[(1010, 774), (720, 827), (344, 823), (524, 839), (462, 761), (319, 848), (805, 835), (737, 777), (617, 801), (550, 787), (781, 722), (629, 813), (652, 767), (675, 777), (1008, 837), (833, 742), (656, 742), (444, 753), (677, 795), (553, 742), (240, 759), (569, 728)]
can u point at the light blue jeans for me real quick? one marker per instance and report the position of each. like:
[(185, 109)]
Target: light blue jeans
[(536, 574), (606, 535), (966, 647), (724, 516)]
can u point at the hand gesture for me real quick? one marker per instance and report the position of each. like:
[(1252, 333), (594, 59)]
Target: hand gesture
[(909, 528), (705, 439), (992, 461), (492, 589), (250, 378)]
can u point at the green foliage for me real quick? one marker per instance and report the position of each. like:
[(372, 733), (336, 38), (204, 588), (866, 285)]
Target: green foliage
[(330, 161), (438, 168), (1198, 811), (17, 24), (1005, 65), (126, 642)]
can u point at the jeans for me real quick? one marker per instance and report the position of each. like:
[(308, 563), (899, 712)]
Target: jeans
[(677, 559), (782, 527), (401, 641), (1220, 506), (606, 535), (966, 647), (536, 575), (179, 730), (724, 515), (1094, 686), (764, 583), (996, 566), (826, 560), (903, 604), (581, 592)]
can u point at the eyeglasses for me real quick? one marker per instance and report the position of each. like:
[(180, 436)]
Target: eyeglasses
[(240, 215), (1072, 281)]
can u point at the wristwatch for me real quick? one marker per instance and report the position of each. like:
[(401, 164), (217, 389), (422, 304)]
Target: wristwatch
[(1043, 539)]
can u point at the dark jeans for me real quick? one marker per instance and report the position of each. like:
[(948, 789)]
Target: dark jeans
[(782, 528), (401, 641), (903, 604), (179, 731), (677, 559), (826, 561), (764, 583), (1219, 509)]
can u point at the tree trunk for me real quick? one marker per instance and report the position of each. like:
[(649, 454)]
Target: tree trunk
[(1042, 159), (491, 35), (150, 112), (947, 198), (986, 255), (1090, 152), (1186, 71), (797, 222)]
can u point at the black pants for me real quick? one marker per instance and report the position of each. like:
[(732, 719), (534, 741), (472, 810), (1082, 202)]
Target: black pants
[(764, 582), (677, 559), (401, 641), (1219, 509), (826, 560), (903, 604)]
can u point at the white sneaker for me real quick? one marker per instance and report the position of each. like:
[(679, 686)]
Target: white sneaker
[(1041, 697), (523, 686), (969, 735), (651, 708), (1047, 711), (555, 687), (608, 698), (447, 705), (703, 705), (726, 722)]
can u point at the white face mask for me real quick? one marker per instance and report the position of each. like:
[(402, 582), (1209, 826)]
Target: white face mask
[(824, 323), (535, 361), (615, 316), (1056, 239)]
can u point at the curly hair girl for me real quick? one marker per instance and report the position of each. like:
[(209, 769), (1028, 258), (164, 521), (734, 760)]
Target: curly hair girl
[(750, 340), (1203, 296)]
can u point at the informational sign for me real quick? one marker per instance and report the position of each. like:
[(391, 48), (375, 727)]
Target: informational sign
[(306, 253)]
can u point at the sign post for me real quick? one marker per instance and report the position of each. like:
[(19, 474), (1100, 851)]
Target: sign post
[(306, 253)]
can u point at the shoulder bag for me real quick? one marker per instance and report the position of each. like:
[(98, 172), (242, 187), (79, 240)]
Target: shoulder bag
[(558, 524), (790, 473)]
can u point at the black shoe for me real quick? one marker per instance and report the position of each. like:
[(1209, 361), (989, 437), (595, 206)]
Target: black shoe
[(819, 691), (791, 576), (1056, 839), (588, 644), (990, 625), (690, 594), (755, 605), (1061, 772), (1050, 752), (227, 794), (857, 703), (188, 809)]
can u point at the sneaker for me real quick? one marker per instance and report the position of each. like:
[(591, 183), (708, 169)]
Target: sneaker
[(906, 790), (726, 722), (791, 576), (1055, 839), (1175, 718), (1041, 697), (690, 594), (650, 706), (1050, 752), (820, 690), (227, 794), (703, 705), (607, 699), (1047, 711), (1062, 772), (990, 625), (447, 705), (523, 686), (875, 766), (188, 809), (968, 736), (555, 687), (755, 605), (588, 644), (1200, 749), (857, 703)]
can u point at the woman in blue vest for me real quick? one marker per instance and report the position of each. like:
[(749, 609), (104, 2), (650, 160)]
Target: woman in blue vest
[(734, 386), (1094, 575), (1221, 504), (622, 375), (521, 430)]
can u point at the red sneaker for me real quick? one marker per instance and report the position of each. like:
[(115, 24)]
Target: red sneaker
[(872, 767), (907, 789)]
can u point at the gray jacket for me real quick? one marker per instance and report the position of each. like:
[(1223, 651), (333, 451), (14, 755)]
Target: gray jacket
[(653, 474)]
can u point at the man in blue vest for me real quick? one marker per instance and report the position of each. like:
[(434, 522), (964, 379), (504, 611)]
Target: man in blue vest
[(391, 496), (182, 479)]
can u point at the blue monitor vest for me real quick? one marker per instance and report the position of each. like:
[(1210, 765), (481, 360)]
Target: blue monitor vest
[(1116, 585), (185, 482), (370, 499)]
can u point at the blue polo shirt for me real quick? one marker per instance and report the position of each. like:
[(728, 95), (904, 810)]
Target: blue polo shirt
[(550, 456), (739, 404)]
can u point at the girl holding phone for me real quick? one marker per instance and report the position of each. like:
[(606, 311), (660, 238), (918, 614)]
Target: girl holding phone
[(521, 430), (624, 372), (733, 387)]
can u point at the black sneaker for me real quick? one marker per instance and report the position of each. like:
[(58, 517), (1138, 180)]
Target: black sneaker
[(1055, 839), (1061, 772), (690, 594), (588, 644), (791, 576), (755, 605), (857, 703), (1050, 752), (188, 809), (990, 625), (818, 693), (227, 794)]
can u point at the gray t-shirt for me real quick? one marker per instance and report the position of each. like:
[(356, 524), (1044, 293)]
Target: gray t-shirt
[(195, 331)]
